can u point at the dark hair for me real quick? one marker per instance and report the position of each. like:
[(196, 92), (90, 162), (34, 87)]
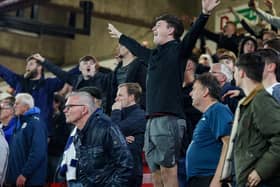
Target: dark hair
[(209, 81), (269, 56), (93, 91), (133, 89), (37, 62), (60, 100), (271, 33), (252, 64), (88, 58), (172, 21), (244, 40), (273, 43)]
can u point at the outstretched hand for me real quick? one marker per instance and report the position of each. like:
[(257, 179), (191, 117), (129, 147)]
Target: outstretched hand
[(113, 31), (209, 5)]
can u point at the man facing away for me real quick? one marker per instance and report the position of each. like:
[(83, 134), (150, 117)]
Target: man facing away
[(166, 65), (28, 147), (211, 135), (103, 158), (128, 115)]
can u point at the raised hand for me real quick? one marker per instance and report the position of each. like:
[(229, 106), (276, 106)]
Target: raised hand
[(113, 31), (209, 5), (38, 57), (252, 4), (269, 4)]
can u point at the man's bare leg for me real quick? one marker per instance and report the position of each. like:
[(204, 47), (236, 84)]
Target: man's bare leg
[(157, 181), (169, 176)]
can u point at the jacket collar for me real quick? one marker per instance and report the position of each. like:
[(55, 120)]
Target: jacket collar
[(126, 111), (97, 112), (252, 95)]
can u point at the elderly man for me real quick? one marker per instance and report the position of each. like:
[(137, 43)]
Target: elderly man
[(103, 158), (224, 75), (28, 147)]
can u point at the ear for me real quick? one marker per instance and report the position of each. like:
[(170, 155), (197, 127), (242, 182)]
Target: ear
[(242, 73), (205, 92), (171, 30), (271, 67), (80, 68), (131, 97)]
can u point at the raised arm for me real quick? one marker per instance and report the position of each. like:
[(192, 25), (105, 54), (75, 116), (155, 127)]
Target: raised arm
[(9, 76), (191, 37), (274, 20), (134, 47), (62, 75)]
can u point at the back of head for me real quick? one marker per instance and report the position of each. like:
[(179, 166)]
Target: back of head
[(226, 71), (253, 65), (273, 43), (94, 92), (209, 81), (270, 56), (172, 21)]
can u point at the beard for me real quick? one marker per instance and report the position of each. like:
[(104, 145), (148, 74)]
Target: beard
[(31, 74)]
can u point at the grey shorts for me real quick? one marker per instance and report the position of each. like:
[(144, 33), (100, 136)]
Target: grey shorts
[(163, 139)]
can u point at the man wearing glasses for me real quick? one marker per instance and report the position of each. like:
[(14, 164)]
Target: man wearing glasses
[(103, 158)]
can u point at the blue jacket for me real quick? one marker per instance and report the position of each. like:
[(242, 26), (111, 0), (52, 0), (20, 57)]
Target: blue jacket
[(41, 90), (9, 129), (28, 149), (103, 156)]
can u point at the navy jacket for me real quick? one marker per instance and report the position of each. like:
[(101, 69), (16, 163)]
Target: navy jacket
[(166, 65), (132, 122), (28, 150), (104, 159), (41, 90), (9, 129)]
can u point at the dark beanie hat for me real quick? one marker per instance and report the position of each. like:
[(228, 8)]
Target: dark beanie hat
[(93, 91)]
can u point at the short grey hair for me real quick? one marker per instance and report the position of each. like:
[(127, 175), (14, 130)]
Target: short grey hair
[(226, 71), (25, 98), (84, 99)]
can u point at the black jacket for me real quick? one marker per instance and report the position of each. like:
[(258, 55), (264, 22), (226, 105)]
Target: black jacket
[(104, 159), (166, 65)]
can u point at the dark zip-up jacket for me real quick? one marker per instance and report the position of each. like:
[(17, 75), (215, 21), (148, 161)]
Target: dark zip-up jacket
[(166, 65)]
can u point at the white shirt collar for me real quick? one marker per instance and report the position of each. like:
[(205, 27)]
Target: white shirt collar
[(270, 88)]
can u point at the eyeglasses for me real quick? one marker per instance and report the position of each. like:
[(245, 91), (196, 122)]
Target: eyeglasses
[(67, 107)]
